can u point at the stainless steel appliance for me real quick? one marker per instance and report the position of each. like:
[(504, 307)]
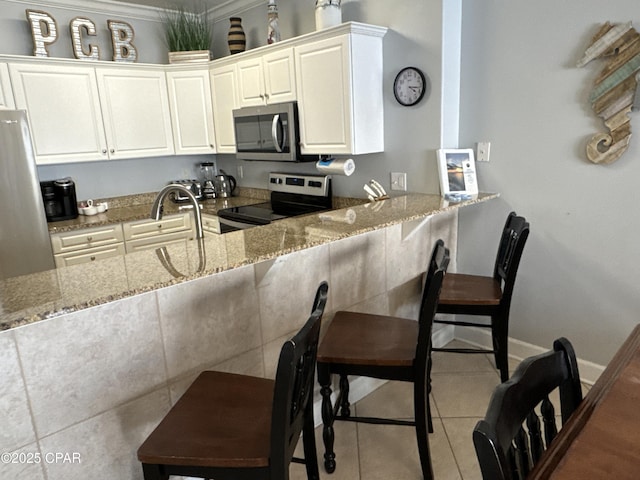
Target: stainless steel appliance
[(59, 197), (268, 132), (292, 194), (225, 184), (194, 185), (25, 245), (208, 171)]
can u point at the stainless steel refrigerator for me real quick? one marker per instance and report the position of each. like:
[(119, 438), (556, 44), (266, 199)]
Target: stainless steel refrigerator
[(25, 245)]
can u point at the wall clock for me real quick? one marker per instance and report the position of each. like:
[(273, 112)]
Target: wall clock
[(409, 86)]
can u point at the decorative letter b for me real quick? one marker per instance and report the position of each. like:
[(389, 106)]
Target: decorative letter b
[(43, 30), (121, 38)]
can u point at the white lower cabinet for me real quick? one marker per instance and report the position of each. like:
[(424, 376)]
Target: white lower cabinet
[(210, 224), (87, 245), (148, 234), (6, 94)]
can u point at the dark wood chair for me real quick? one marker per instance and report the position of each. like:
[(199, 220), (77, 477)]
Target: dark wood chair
[(229, 426), (488, 296), (505, 451), (387, 348)]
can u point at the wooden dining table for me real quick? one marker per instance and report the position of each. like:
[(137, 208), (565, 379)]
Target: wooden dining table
[(601, 440)]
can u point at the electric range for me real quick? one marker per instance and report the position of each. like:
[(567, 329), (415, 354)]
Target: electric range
[(292, 194)]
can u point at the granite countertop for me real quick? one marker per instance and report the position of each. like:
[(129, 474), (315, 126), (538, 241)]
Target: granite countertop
[(35, 297)]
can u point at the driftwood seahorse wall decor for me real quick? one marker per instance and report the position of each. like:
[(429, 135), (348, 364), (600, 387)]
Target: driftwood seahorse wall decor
[(614, 89)]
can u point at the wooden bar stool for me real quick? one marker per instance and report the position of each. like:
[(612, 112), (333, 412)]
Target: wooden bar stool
[(488, 296), (232, 427), (505, 451), (382, 347)]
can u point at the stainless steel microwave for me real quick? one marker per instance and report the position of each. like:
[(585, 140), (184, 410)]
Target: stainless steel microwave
[(268, 132)]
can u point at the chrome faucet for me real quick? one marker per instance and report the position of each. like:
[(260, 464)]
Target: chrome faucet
[(156, 209)]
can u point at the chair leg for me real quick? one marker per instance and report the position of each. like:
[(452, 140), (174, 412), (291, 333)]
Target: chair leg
[(422, 414), (153, 472), (345, 411), (309, 445), (328, 434), (500, 333), (428, 400)]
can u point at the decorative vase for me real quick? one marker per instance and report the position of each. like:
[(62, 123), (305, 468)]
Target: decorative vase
[(328, 13), (236, 37), (273, 29)]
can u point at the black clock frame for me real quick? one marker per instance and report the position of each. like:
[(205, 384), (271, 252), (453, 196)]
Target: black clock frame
[(424, 86)]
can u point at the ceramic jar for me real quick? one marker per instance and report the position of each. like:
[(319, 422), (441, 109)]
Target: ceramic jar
[(236, 37), (328, 13)]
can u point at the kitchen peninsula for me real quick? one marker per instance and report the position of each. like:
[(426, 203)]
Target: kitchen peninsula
[(93, 355)]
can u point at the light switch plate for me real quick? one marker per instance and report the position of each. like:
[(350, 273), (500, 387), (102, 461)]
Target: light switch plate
[(483, 150), (399, 181)]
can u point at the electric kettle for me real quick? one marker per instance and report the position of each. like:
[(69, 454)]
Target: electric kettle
[(225, 184)]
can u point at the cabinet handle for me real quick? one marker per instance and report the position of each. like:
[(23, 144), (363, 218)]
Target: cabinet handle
[(160, 225), (89, 239), (266, 95), (104, 151), (210, 146), (112, 151), (93, 258)]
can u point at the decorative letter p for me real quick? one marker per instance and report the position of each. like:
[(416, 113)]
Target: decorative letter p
[(43, 30)]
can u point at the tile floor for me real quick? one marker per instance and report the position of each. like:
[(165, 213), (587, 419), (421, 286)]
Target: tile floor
[(461, 388)]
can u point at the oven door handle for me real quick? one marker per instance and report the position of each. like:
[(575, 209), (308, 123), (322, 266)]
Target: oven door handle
[(274, 133)]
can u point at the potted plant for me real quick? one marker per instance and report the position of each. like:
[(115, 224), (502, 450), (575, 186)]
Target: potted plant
[(187, 34)]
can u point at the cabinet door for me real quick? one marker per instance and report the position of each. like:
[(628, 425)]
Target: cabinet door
[(251, 82), (340, 97), (224, 100), (6, 95), (63, 108), (191, 111), (279, 76), (136, 112), (324, 95)]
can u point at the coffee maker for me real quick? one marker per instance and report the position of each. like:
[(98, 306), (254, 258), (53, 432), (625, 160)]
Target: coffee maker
[(59, 198)]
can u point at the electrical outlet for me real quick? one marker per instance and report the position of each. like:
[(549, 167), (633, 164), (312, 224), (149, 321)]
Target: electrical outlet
[(240, 171), (399, 181), (482, 154)]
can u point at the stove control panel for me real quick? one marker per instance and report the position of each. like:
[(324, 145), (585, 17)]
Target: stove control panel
[(317, 185)]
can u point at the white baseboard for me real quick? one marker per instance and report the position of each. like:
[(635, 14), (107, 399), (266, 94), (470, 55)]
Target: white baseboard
[(518, 350)]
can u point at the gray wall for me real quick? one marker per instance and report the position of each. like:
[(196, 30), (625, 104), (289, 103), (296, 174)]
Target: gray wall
[(411, 134), (522, 91)]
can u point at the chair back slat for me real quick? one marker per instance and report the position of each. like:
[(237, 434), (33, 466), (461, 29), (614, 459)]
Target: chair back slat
[(549, 419), (293, 395), (512, 242), (513, 403)]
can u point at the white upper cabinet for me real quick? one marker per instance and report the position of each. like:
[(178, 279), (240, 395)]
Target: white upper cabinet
[(340, 95), (191, 110), (63, 108), (266, 79), (6, 94), (224, 100), (135, 109)]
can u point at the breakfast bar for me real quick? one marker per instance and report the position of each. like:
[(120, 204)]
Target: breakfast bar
[(93, 355)]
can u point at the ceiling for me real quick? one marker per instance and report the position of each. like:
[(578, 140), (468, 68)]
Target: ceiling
[(188, 4)]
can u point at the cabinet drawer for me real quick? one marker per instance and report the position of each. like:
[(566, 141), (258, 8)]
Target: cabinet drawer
[(154, 228), (157, 241), (210, 223), (86, 238), (88, 255)]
